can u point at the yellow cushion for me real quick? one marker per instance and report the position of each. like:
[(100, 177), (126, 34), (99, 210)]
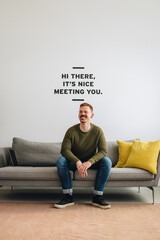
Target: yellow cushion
[(124, 149), (144, 155)]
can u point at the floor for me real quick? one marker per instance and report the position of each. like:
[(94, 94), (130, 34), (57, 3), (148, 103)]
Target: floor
[(112, 195)]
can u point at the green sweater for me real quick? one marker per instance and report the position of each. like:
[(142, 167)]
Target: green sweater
[(84, 146)]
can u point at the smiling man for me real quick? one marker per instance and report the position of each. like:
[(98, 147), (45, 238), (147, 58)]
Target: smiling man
[(83, 147)]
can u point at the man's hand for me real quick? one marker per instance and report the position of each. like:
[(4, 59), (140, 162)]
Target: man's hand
[(82, 168), (86, 165)]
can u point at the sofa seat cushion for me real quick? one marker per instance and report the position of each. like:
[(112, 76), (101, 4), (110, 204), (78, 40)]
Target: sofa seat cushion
[(120, 174), (30, 173)]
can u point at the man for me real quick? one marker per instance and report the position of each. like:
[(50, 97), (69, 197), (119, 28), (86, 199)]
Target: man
[(83, 147)]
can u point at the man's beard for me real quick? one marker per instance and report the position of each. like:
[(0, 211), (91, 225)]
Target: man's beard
[(83, 116)]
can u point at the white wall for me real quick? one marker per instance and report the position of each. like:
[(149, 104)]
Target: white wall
[(116, 40)]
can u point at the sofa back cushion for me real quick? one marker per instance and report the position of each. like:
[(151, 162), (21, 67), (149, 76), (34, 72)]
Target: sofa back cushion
[(46, 154), (112, 152), (35, 153)]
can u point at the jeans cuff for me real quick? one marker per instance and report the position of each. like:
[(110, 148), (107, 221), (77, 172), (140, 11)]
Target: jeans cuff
[(65, 191), (98, 192)]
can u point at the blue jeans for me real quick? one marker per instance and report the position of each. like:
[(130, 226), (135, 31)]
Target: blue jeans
[(103, 168)]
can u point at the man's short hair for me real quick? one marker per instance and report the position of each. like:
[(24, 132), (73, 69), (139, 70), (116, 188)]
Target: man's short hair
[(88, 105)]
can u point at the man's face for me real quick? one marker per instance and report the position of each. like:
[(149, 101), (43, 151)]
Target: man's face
[(85, 114)]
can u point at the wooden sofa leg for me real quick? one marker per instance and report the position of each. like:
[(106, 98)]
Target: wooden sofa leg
[(153, 194)]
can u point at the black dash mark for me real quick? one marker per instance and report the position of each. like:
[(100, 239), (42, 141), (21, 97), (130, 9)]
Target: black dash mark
[(78, 67), (77, 99)]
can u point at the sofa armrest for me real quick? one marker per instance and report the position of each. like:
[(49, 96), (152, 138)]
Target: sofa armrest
[(157, 176), (4, 157)]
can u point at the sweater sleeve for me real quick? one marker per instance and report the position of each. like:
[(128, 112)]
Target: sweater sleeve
[(66, 147), (101, 149)]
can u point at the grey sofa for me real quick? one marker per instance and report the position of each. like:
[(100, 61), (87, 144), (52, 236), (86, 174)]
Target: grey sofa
[(36, 166)]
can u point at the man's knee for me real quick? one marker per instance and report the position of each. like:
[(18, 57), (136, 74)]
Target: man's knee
[(106, 162), (61, 162)]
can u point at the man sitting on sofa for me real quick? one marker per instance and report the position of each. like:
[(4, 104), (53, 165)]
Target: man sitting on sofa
[(84, 146)]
